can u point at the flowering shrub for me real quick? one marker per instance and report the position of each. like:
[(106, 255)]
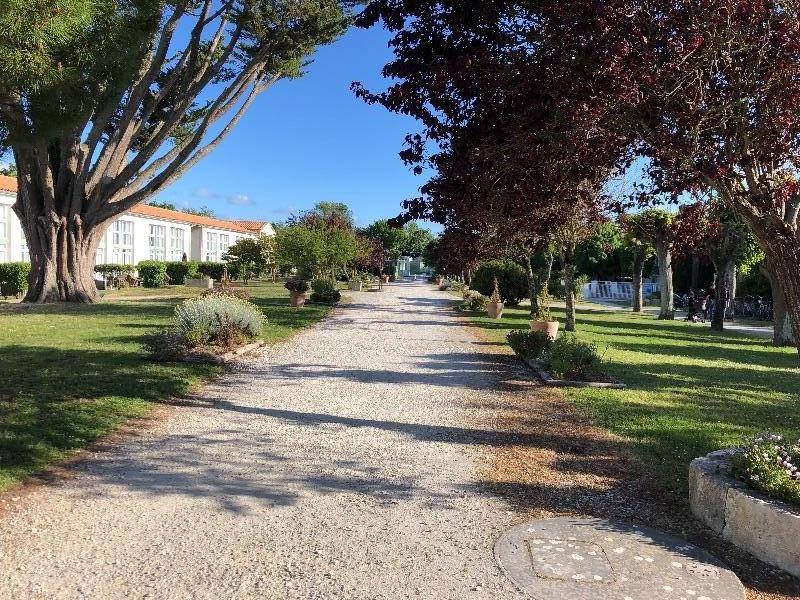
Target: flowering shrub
[(474, 301), (770, 465), (533, 345), (217, 319), (299, 286)]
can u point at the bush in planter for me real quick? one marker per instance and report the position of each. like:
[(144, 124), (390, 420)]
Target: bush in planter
[(531, 345), (474, 301), (770, 465), (542, 313), (572, 358), (325, 291), (214, 270), (299, 286), (14, 277), (152, 273), (179, 272), (511, 277)]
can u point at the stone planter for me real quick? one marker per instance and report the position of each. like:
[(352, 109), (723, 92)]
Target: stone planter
[(495, 309), (548, 327), (205, 283), (385, 279), (356, 285), (297, 299), (767, 529)]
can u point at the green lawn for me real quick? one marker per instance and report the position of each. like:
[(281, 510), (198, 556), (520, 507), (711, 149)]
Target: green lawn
[(690, 390), (69, 374)]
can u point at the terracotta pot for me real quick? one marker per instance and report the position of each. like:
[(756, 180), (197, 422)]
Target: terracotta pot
[(548, 327), (495, 309), (385, 279), (439, 281), (297, 299)]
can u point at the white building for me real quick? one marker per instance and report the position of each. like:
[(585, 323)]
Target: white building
[(143, 233)]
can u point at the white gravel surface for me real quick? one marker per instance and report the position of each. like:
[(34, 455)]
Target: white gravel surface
[(342, 464)]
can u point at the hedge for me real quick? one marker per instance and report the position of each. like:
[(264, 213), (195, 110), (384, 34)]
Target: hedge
[(178, 272), (214, 270), (152, 273), (14, 277), (113, 269)]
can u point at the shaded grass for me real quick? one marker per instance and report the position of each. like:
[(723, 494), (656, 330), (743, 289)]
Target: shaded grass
[(72, 373), (690, 390)]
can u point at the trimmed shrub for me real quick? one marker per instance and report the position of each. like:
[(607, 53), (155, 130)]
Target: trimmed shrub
[(531, 345), (325, 291), (474, 301), (511, 278), (217, 319), (572, 358), (300, 286), (152, 273), (770, 465), (14, 277), (179, 272), (214, 270), (118, 275)]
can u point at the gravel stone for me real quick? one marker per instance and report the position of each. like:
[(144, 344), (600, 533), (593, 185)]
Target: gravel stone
[(341, 464)]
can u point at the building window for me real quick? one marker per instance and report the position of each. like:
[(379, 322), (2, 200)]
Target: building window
[(224, 244), (3, 233), (175, 243), (158, 242), (211, 247), (122, 242)]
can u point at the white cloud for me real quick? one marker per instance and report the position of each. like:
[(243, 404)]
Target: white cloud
[(240, 200)]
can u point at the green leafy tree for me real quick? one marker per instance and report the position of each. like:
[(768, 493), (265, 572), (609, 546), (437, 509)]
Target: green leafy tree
[(318, 251), (104, 104), (393, 239), (417, 239), (9, 170), (655, 228), (252, 257)]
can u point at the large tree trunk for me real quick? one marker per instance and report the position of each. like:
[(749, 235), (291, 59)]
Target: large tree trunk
[(782, 327), (62, 241), (664, 256), (721, 293), (730, 283), (568, 265), (638, 272)]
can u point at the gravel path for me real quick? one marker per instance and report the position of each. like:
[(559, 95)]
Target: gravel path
[(339, 465)]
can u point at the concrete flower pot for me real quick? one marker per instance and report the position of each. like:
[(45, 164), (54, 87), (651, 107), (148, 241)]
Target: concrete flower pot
[(297, 299), (548, 327), (205, 283), (356, 285), (495, 309), (764, 527)]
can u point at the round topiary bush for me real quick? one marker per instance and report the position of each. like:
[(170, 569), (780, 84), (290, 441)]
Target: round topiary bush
[(152, 273), (511, 278)]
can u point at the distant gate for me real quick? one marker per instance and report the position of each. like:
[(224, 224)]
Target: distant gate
[(616, 290)]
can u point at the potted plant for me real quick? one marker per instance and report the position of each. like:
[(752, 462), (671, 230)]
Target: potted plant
[(541, 319), (297, 291), (439, 280), (495, 305), (385, 278)]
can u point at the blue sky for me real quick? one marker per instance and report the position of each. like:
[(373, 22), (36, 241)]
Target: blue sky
[(308, 140)]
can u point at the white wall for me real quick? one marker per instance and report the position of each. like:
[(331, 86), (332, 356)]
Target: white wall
[(196, 238)]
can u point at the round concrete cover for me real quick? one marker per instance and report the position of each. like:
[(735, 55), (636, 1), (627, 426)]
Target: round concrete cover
[(593, 559)]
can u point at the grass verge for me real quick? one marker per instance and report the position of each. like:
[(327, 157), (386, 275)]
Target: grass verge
[(72, 373), (690, 390)]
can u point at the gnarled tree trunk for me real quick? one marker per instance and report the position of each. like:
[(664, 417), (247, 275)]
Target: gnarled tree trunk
[(533, 285), (638, 272), (664, 256), (782, 334)]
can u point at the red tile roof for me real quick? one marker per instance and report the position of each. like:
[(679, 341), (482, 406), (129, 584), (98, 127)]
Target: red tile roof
[(8, 184), (156, 212)]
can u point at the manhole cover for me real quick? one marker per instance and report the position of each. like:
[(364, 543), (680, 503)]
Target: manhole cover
[(592, 559)]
